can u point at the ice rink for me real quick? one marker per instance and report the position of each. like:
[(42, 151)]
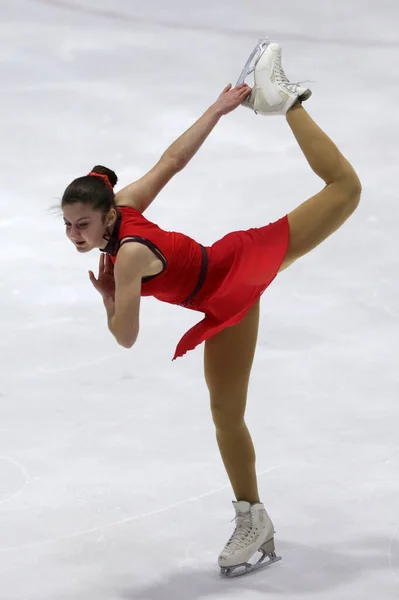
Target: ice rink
[(111, 485)]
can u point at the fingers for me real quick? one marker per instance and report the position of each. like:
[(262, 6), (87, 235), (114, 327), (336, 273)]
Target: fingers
[(242, 93), (105, 267), (109, 265), (238, 88), (93, 279), (238, 92), (243, 88), (101, 265)]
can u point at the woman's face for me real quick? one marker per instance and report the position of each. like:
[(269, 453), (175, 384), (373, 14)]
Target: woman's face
[(85, 227)]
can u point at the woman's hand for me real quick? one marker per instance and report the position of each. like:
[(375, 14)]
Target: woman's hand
[(105, 283), (231, 97)]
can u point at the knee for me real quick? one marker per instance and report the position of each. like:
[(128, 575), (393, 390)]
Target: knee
[(227, 415), (355, 187), (348, 190), (352, 187)]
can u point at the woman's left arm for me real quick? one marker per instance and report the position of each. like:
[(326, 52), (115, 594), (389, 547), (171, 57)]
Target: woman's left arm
[(142, 192)]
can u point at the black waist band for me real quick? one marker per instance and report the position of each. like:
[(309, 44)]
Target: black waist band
[(201, 277)]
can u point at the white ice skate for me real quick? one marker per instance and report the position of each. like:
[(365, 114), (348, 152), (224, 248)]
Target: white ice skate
[(272, 93), (254, 532)]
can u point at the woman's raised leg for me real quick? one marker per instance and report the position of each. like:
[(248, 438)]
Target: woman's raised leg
[(317, 218)]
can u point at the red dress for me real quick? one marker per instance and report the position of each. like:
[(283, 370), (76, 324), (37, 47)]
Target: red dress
[(222, 281)]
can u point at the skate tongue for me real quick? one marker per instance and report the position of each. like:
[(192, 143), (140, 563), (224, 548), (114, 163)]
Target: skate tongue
[(241, 507)]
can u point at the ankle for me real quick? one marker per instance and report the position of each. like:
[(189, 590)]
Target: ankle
[(296, 106), (250, 499)]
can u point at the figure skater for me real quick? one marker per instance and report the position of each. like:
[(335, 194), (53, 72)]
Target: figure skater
[(223, 281)]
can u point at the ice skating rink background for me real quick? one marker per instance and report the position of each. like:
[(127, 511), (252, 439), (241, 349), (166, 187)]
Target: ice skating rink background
[(111, 486)]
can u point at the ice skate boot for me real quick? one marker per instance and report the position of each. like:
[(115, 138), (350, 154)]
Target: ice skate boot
[(254, 532), (273, 93)]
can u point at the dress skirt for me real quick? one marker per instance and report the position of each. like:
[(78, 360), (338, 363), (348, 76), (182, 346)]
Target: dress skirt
[(241, 266)]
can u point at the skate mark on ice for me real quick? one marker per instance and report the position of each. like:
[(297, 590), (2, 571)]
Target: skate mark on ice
[(128, 519), (81, 365), (391, 458), (8, 478), (40, 323), (110, 14), (114, 523)]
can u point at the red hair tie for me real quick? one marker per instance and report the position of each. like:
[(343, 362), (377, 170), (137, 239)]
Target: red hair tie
[(103, 177)]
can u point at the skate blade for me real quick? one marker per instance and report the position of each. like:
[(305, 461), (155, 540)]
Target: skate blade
[(246, 568), (252, 60)]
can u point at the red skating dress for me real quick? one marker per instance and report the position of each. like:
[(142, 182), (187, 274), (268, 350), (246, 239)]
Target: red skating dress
[(222, 281)]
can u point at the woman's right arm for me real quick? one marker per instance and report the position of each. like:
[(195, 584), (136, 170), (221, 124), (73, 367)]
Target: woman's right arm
[(141, 193), (120, 288)]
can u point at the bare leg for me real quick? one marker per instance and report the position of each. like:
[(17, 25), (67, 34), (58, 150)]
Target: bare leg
[(317, 218), (228, 360)]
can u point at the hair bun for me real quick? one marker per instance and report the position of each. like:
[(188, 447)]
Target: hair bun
[(113, 179)]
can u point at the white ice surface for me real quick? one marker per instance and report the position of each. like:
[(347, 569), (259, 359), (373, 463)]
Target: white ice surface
[(111, 487)]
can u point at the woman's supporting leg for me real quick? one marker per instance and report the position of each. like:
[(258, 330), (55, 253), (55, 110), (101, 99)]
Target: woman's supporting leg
[(317, 218), (228, 360)]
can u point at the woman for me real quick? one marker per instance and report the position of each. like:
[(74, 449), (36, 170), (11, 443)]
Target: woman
[(224, 281)]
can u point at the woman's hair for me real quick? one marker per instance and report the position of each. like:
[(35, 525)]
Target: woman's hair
[(92, 190)]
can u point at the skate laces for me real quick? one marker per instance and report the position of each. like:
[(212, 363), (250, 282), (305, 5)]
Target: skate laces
[(283, 80), (243, 530)]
